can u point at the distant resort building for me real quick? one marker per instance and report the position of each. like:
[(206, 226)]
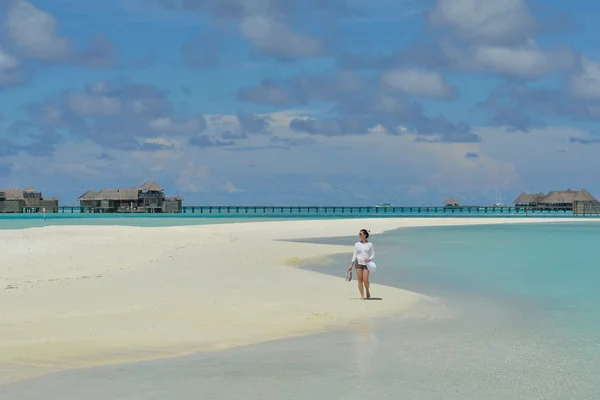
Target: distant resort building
[(580, 202), (148, 198), (26, 200), (451, 202)]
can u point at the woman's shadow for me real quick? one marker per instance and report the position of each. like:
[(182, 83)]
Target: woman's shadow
[(372, 298)]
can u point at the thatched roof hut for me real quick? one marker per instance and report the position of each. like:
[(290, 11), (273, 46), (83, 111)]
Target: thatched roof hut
[(555, 198), (23, 194), (29, 198), (111, 194), (89, 195), (118, 194), (528, 198), (558, 197), (18, 194), (12, 194), (131, 194), (584, 195), (452, 202), (152, 186), (585, 203)]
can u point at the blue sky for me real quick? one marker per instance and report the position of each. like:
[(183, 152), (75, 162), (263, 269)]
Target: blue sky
[(301, 102)]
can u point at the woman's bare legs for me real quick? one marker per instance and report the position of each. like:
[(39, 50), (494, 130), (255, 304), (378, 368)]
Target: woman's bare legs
[(362, 275), (365, 278), (359, 277)]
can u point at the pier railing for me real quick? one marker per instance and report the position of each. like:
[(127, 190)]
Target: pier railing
[(349, 211), (586, 210)]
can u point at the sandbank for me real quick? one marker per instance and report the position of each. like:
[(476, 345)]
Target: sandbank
[(82, 296)]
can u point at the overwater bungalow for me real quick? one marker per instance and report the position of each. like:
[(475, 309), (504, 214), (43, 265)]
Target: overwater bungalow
[(147, 198), (580, 202), (451, 202), (26, 200), (528, 199)]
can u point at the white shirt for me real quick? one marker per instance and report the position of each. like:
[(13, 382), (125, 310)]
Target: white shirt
[(362, 251)]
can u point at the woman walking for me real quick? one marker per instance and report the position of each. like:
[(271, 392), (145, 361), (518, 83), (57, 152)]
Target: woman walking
[(363, 254)]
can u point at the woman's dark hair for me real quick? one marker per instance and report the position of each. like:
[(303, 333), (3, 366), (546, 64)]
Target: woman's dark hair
[(366, 232)]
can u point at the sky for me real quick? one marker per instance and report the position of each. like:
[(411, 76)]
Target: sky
[(301, 102)]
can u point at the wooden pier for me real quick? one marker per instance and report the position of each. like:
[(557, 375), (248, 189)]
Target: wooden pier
[(324, 211)]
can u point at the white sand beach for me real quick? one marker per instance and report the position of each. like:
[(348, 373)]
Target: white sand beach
[(81, 296)]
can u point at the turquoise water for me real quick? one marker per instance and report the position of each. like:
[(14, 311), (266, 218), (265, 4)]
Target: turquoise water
[(233, 214), (531, 288), (19, 222), (551, 269), (548, 260), (526, 325)]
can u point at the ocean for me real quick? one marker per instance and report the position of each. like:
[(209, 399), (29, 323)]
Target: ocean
[(20, 221), (521, 321), (235, 214)]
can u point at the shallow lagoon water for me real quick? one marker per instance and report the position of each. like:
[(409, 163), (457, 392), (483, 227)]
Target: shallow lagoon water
[(145, 220), (521, 323)]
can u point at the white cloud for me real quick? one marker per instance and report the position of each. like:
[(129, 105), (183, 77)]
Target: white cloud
[(50, 115), (192, 177), (9, 69), (70, 160), (378, 128), (272, 36), (523, 61), (437, 166), (35, 32), (73, 169), (416, 82), (231, 188), (93, 105), (484, 20), (499, 39), (160, 141), (456, 173), (586, 84), (217, 123), (185, 126), (544, 156), (99, 87), (7, 61), (505, 160)]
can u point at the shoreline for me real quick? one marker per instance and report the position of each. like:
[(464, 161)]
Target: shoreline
[(28, 221), (83, 296)]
